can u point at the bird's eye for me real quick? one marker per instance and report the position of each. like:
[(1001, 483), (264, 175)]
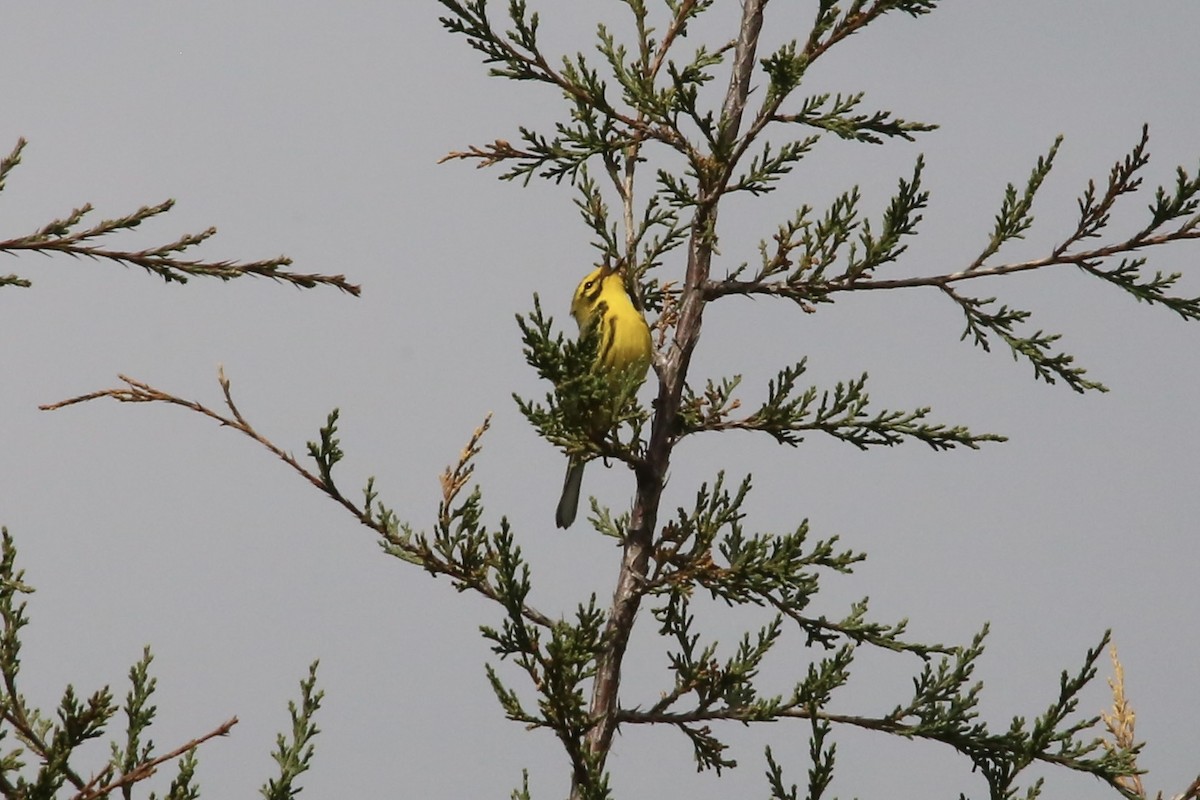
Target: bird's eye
[(587, 287)]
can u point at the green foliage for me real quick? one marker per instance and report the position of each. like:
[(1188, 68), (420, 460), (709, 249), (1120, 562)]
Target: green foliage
[(40, 754), (580, 396), (1015, 217), (183, 787), (327, 450), (523, 792), (840, 412), (294, 753), (835, 113), (808, 250), (1037, 347), (139, 714)]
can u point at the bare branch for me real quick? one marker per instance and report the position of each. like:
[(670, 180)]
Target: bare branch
[(135, 391), (739, 78)]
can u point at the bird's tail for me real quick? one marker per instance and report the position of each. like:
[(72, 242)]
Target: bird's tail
[(568, 504)]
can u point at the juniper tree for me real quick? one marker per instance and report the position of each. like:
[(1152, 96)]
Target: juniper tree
[(632, 106)]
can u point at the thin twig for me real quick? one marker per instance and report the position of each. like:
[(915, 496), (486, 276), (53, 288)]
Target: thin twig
[(175, 269), (888, 725), (1192, 792), (140, 392), (144, 770), (721, 288)]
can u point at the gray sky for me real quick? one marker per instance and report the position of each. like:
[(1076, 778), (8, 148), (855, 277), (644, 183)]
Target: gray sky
[(313, 129)]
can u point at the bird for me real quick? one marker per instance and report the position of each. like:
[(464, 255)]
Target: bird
[(623, 352)]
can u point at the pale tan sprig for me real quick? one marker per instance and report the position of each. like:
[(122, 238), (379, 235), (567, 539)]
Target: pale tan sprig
[(454, 478), (1120, 722)]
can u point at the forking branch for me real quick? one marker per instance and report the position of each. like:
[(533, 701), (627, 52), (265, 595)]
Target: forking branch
[(473, 567)]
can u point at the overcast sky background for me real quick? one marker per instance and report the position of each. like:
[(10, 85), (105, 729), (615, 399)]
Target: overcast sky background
[(313, 129)]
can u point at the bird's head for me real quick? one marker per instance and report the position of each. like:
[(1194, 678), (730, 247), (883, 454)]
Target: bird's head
[(587, 299)]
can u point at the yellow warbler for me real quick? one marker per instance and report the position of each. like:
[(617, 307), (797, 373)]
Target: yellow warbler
[(623, 351)]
